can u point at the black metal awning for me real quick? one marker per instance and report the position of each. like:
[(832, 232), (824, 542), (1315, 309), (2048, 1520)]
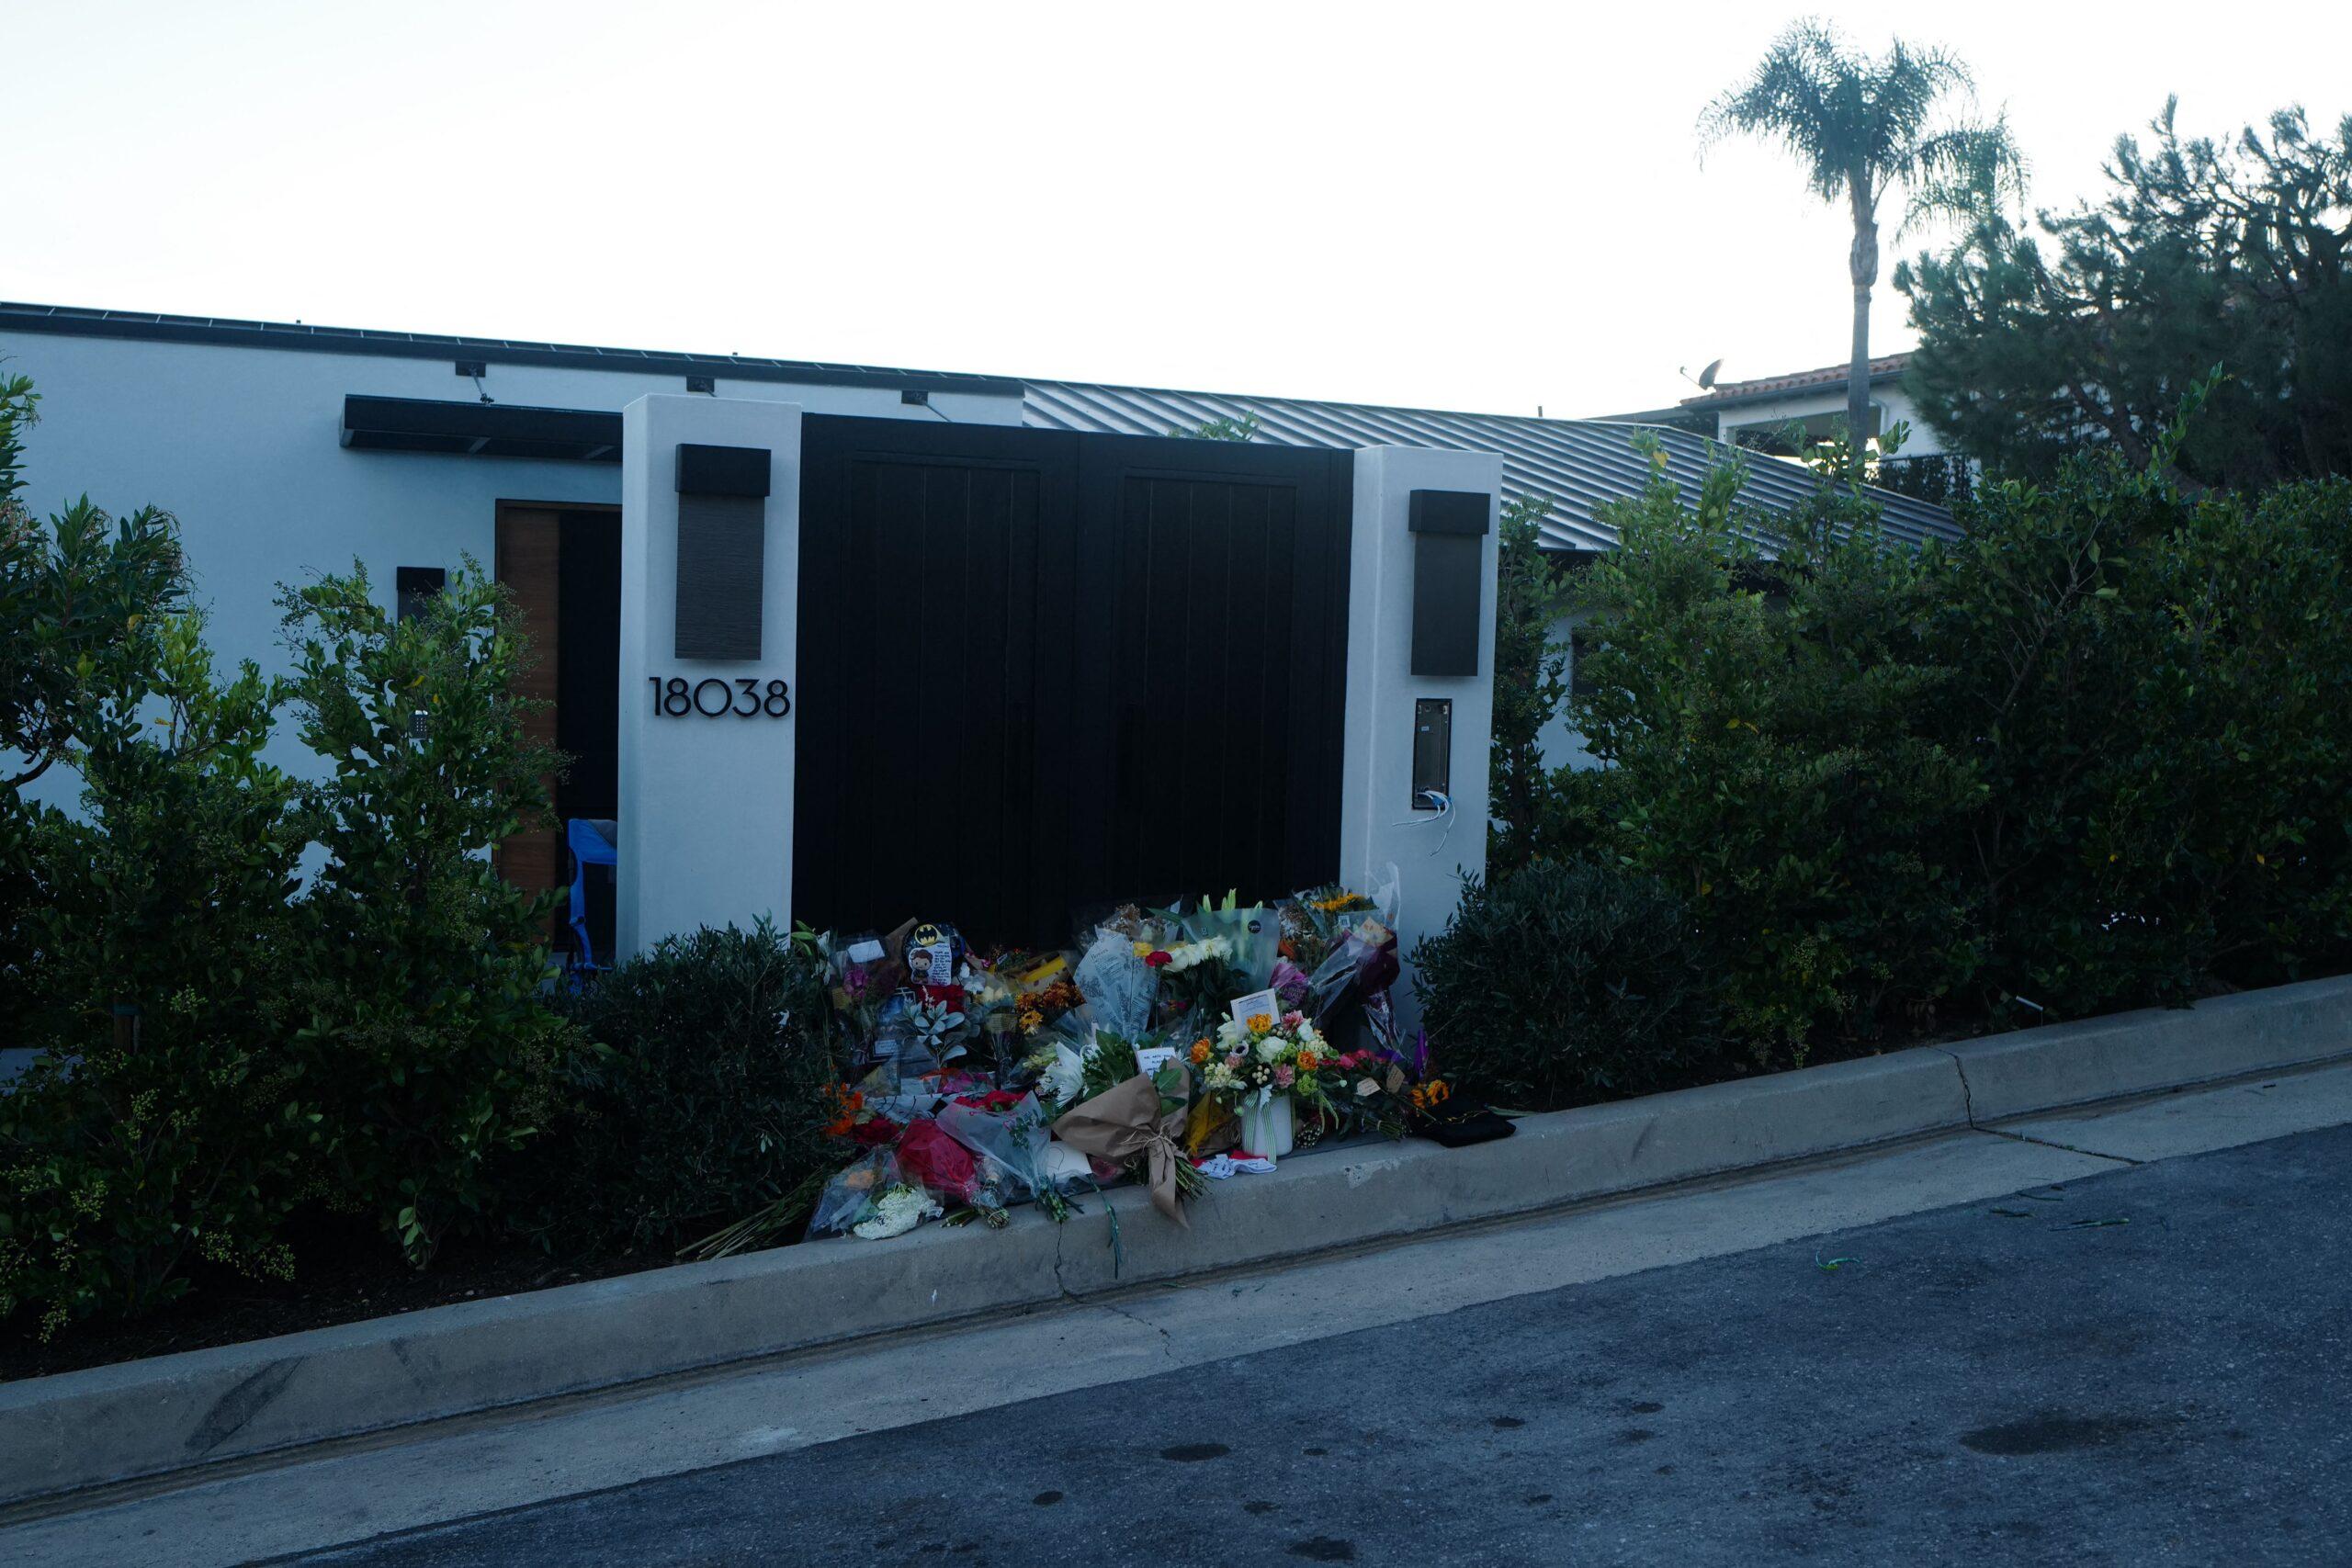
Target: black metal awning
[(478, 429)]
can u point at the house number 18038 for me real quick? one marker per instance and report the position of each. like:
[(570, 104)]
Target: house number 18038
[(711, 697)]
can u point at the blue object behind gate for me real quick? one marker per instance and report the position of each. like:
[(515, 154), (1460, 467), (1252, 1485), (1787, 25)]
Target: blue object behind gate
[(592, 842)]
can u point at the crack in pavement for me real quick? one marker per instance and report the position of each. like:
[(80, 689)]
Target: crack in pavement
[(1968, 1104), (1967, 1094), (2053, 1143), (1168, 1340)]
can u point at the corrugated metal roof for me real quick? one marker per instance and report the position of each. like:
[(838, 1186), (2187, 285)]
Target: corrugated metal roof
[(1577, 463)]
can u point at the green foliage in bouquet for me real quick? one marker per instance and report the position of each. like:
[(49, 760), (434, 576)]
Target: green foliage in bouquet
[(437, 1054), (1562, 985), (704, 1099)]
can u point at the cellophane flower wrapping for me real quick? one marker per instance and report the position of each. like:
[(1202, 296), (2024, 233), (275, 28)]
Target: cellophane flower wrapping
[(932, 1158), (1119, 986), (1009, 1142), (1350, 987), (1253, 933), (849, 1198)]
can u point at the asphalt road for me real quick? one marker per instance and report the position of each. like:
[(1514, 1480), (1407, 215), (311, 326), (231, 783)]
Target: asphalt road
[(2151, 1366)]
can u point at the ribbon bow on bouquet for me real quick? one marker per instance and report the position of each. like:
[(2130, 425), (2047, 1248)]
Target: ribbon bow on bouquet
[(1124, 1122)]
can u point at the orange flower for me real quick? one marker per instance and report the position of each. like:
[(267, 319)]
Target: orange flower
[(1308, 1061), (1262, 1023), (846, 1104), (1200, 1051)]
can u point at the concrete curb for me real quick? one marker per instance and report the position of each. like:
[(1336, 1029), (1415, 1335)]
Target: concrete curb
[(144, 1418)]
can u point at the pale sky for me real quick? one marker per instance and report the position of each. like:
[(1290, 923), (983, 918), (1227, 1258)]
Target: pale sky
[(1448, 206)]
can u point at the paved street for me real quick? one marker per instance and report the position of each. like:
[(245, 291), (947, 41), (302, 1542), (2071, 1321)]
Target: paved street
[(2148, 1366)]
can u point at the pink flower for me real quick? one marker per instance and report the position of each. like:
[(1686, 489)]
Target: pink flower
[(1284, 1077), (1234, 1059), (1293, 1018)]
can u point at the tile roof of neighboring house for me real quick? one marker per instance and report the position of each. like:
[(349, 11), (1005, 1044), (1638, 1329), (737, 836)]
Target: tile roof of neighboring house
[(1884, 368), (1577, 463)]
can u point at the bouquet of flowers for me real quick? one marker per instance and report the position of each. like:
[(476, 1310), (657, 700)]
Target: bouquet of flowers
[(1195, 975), (1255, 1058), (1252, 936), (1039, 1007), (1118, 984), (1340, 952)]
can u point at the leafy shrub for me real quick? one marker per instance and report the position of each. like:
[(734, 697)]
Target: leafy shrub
[(2160, 690), (436, 1052), (1560, 984), (2091, 755), (1771, 731), (1530, 681), (82, 597), (702, 1101), (122, 1164)]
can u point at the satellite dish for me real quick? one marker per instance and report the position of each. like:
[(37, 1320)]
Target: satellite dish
[(1707, 377)]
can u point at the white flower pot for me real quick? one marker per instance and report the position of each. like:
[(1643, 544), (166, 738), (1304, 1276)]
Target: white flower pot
[(1266, 1129)]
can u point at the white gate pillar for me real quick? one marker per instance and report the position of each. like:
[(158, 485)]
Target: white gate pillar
[(1420, 629), (710, 574)]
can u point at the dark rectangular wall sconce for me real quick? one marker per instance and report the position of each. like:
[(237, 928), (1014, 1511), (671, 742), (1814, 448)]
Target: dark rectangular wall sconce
[(722, 549), (1448, 527)]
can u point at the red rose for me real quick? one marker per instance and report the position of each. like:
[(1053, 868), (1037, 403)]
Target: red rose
[(1158, 959)]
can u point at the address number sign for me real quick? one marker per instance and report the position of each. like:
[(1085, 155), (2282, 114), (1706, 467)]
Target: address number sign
[(745, 696)]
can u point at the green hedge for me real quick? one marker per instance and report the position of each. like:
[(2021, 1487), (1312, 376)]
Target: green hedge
[(2095, 754)]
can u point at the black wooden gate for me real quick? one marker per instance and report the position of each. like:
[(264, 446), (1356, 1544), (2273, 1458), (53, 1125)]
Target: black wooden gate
[(1041, 671)]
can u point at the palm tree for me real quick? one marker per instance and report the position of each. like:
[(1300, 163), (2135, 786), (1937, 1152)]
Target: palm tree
[(1862, 126)]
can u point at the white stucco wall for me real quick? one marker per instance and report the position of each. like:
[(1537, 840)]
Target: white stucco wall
[(1378, 824), (1889, 396), (1559, 742), (243, 445), (705, 802)]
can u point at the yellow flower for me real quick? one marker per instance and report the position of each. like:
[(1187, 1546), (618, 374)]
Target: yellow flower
[(1143, 950), (1262, 1023)]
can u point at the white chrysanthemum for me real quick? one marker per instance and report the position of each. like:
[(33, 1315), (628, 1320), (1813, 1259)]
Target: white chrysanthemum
[(899, 1209)]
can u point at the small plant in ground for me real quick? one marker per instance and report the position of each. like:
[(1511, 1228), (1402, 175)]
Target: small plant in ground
[(1564, 984)]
